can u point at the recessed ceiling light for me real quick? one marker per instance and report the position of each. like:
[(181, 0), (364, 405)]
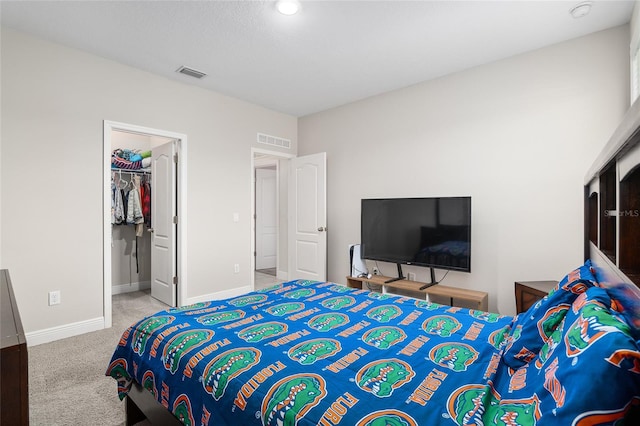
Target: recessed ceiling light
[(581, 9), (288, 7)]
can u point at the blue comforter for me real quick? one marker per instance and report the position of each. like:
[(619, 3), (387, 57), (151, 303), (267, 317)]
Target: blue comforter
[(310, 353)]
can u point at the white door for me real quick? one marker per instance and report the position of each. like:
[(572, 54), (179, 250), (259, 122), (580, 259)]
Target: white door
[(308, 217), (266, 219), (163, 210)]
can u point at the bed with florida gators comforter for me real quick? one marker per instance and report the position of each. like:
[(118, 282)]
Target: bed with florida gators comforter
[(312, 353)]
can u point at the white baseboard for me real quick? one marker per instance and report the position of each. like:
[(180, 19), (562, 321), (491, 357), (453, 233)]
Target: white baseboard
[(63, 331), (282, 275), (127, 288), (225, 294)]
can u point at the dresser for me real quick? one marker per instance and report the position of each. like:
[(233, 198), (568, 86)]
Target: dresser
[(529, 292), (14, 378)]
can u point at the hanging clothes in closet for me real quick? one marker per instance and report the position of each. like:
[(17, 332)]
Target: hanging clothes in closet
[(145, 191), (131, 201), (134, 208)]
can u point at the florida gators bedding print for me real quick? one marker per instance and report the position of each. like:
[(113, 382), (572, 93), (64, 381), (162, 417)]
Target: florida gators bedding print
[(311, 353)]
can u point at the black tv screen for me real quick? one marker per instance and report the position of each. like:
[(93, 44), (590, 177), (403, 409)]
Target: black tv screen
[(433, 232)]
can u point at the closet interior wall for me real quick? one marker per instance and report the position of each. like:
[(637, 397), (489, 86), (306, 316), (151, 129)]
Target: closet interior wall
[(126, 276)]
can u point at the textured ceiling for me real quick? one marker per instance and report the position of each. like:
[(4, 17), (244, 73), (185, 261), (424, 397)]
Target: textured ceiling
[(329, 54)]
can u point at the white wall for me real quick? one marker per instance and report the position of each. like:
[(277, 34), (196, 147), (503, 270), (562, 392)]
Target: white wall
[(517, 135), (54, 101)]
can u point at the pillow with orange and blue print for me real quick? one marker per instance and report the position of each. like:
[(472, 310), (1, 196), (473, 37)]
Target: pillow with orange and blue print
[(531, 329)]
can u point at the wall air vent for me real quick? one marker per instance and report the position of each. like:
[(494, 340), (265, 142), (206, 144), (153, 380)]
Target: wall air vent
[(274, 141), (191, 72)]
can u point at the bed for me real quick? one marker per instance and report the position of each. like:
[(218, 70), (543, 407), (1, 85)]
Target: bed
[(314, 353), (319, 353)]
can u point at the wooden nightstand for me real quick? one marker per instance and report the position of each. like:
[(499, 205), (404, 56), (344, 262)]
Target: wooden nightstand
[(529, 292)]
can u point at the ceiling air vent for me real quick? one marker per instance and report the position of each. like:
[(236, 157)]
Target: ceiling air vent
[(274, 141), (191, 72)]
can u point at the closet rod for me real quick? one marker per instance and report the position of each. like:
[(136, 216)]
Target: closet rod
[(137, 171)]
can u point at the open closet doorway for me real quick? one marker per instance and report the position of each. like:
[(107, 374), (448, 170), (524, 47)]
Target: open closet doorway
[(145, 213), (269, 217)]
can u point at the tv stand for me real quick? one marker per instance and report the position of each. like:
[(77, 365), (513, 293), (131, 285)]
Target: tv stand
[(400, 276), (478, 298), (433, 281)]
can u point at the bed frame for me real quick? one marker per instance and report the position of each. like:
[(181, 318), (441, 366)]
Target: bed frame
[(141, 405)]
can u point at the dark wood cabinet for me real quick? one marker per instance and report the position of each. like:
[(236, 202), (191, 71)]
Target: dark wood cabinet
[(14, 378), (529, 292)]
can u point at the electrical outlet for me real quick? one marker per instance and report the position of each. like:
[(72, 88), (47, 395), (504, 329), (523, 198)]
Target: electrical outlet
[(54, 297), (236, 268), (375, 271), (411, 276)]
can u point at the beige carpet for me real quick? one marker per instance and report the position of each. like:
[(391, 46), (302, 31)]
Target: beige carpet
[(67, 385), (268, 271)]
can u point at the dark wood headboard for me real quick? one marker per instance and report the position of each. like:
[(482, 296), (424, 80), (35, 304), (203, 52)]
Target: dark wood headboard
[(612, 205)]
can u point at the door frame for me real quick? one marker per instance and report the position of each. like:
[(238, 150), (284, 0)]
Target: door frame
[(181, 175), (276, 155)]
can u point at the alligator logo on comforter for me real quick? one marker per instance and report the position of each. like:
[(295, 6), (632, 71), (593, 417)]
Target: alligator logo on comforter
[(593, 322), (149, 383), (248, 300), (485, 316), (226, 366), (429, 306), (285, 308), (305, 283), (259, 332), (551, 319), (181, 344), (479, 404), (442, 325), (384, 313), (340, 288), (378, 296), (186, 309), (308, 352), (118, 370), (387, 418), (300, 293), (182, 410), (220, 317), (145, 330), (549, 346), (498, 338), (384, 337), (327, 322), (382, 377), (454, 356), (338, 302), (289, 400)]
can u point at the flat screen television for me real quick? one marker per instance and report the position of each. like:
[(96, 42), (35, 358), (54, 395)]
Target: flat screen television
[(433, 232)]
